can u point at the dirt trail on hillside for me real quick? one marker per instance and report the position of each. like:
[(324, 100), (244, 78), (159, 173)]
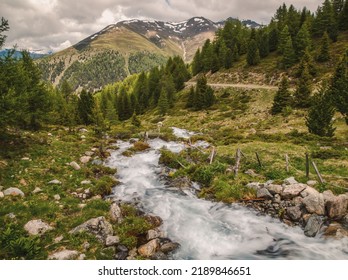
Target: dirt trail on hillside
[(246, 86)]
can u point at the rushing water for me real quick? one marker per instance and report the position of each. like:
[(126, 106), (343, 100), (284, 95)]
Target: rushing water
[(210, 230)]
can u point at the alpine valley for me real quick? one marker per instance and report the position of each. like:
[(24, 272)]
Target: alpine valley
[(126, 48)]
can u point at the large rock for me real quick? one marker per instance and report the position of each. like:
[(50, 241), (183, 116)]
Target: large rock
[(254, 185), (181, 183), (149, 249), (112, 240), (312, 183), (85, 159), (64, 255), (37, 227), (290, 191), (115, 213), (74, 165), (264, 193), (336, 230), (313, 225), (309, 191), (290, 181), (294, 213), (89, 153), (13, 192), (314, 204), (169, 247), (275, 189), (96, 226), (155, 221), (2, 195), (337, 207), (154, 233)]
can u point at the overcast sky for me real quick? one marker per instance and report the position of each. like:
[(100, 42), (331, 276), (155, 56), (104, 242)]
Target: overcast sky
[(56, 24)]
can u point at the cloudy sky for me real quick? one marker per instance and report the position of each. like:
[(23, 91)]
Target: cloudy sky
[(56, 24)]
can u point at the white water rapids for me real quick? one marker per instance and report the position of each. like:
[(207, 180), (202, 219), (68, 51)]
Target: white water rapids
[(210, 230)]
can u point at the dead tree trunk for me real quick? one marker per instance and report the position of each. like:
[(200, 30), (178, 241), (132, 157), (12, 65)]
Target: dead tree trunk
[(236, 167)]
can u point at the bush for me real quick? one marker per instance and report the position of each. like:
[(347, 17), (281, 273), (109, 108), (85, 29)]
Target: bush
[(140, 146), (103, 186), (203, 175)]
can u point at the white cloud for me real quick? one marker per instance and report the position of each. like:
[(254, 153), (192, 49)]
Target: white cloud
[(36, 24), (60, 47)]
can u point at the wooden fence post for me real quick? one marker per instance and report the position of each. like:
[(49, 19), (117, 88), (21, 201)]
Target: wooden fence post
[(258, 159), (236, 167), (212, 155), (287, 162), (318, 173), (307, 165)]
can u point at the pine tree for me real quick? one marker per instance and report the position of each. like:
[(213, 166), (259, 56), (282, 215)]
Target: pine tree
[(204, 94), (235, 53), (197, 66), (303, 90), (339, 87), (163, 104), (101, 125), (283, 39), (303, 41), (283, 98), (264, 45), (190, 98), (307, 60), (343, 17), (207, 56), (273, 38), (154, 88), (253, 56), (4, 26), (289, 58), (135, 120), (167, 84), (141, 91), (320, 116), (85, 107), (324, 54)]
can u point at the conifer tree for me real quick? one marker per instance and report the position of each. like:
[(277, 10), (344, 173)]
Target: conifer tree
[(101, 125), (229, 59), (222, 54), (303, 40), (339, 87), (204, 94), (85, 107), (289, 58), (273, 38), (141, 91), (307, 60), (343, 17), (264, 45), (197, 66), (191, 98), (283, 39), (207, 56), (163, 104), (320, 116), (324, 54), (235, 53), (283, 98), (154, 87), (167, 84), (4, 26), (253, 56), (303, 91), (135, 120)]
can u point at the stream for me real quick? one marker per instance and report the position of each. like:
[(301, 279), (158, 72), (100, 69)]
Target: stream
[(209, 230)]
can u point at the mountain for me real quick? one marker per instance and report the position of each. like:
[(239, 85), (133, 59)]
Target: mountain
[(125, 48), (18, 54)]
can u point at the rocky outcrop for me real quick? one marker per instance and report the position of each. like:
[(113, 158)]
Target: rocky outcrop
[(115, 213), (96, 226), (37, 227), (149, 249), (13, 192), (300, 204)]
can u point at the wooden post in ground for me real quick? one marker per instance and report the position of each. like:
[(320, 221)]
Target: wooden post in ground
[(236, 167), (307, 165), (258, 159), (212, 155), (318, 173), (146, 136), (287, 162)]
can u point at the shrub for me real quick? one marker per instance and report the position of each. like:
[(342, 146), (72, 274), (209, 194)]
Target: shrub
[(140, 146), (103, 186)]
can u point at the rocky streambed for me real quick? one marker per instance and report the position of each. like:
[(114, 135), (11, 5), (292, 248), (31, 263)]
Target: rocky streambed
[(212, 230)]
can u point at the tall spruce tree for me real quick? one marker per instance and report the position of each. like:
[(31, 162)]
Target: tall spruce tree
[(302, 97), (204, 94), (191, 98), (289, 57), (283, 98), (339, 86), (4, 26), (303, 41), (283, 39), (324, 53), (343, 17), (307, 60), (197, 65), (273, 37), (253, 55), (163, 104), (320, 116), (264, 44), (85, 107)]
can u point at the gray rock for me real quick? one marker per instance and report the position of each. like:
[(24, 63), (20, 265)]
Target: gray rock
[(313, 226), (159, 256), (58, 239), (149, 249), (277, 198), (74, 165), (13, 192), (274, 189), (2, 195), (154, 233), (122, 252), (290, 191), (64, 255), (309, 191), (345, 221), (81, 257), (96, 226), (264, 193), (37, 227), (294, 213), (56, 197), (55, 182), (312, 183), (169, 247), (251, 173), (314, 204), (254, 185), (297, 200), (328, 196), (290, 181), (85, 159), (86, 182), (25, 158), (97, 162), (337, 208), (11, 216), (336, 230), (112, 240), (37, 190), (181, 183), (83, 130), (115, 213), (89, 153)]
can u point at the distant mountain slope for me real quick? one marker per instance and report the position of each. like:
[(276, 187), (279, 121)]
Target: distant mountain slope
[(124, 48), (18, 54)]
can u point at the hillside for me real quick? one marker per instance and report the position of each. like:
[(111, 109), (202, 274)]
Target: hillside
[(128, 46)]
